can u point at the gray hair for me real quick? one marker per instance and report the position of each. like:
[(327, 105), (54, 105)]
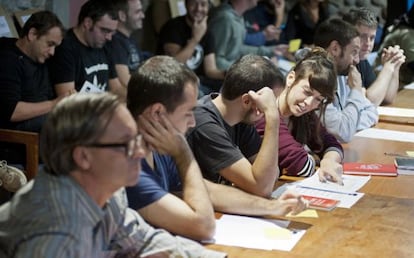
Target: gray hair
[(79, 119)]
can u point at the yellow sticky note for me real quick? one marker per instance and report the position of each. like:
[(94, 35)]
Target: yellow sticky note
[(294, 45), (309, 213), (277, 233), (410, 153)]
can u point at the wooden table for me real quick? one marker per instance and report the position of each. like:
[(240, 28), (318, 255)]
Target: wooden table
[(381, 224), (404, 99), (377, 226)]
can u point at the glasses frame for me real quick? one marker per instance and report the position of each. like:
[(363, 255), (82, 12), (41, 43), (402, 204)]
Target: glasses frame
[(130, 146)]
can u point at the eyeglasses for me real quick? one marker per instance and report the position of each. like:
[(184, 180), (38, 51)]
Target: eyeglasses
[(130, 147)]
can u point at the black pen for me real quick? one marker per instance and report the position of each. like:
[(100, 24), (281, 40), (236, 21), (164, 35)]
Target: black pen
[(395, 154)]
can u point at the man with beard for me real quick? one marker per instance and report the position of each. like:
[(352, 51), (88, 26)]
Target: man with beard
[(350, 111), (187, 39), (81, 62), (224, 139)]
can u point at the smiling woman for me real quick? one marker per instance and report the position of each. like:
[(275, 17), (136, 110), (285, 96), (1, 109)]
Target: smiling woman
[(303, 142)]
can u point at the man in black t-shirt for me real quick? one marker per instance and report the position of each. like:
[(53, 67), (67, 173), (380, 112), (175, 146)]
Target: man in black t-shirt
[(187, 39), (124, 49), (25, 89), (224, 140), (81, 62)]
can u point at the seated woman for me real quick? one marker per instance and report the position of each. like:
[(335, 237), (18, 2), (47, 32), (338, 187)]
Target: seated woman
[(303, 142)]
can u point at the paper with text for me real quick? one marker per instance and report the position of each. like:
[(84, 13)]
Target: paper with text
[(257, 233)]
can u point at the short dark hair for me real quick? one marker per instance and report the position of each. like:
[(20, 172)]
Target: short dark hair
[(96, 9), (361, 16), (160, 79), (79, 119), (250, 72), (335, 29), (42, 21)]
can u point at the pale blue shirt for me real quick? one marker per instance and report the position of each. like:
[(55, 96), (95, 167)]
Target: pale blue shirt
[(53, 216), (350, 112)]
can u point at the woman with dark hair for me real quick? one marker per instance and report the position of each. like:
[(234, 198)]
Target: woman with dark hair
[(303, 141)]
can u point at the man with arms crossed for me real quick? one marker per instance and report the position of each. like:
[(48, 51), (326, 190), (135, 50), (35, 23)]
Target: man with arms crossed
[(76, 206), (162, 96)]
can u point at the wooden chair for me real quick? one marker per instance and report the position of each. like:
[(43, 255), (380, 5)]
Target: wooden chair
[(31, 142)]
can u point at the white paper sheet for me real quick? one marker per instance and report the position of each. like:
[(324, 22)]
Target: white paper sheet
[(256, 233), (409, 86), (351, 183), (386, 135), (393, 111)]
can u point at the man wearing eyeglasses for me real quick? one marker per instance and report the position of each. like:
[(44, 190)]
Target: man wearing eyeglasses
[(81, 62), (171, 192), (76, 206)]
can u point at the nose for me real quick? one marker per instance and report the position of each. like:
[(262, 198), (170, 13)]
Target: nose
[(309, 100)]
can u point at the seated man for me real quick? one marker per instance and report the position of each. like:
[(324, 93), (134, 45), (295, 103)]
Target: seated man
[(164, 111), (76, 206), (81, 63), (350, 111), (225, 141), (226, 23), (25, 91), (382, 89), (124, 48), (186, 38)]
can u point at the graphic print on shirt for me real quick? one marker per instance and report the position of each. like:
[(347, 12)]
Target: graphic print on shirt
[(92, 73), (197, 58)]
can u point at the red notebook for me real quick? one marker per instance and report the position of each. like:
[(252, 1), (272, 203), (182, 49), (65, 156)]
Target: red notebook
[(320, 203), (369, 169)]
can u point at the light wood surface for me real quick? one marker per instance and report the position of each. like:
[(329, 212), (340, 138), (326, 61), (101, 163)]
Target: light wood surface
[(381, 224), (404, 99), (377, 226)]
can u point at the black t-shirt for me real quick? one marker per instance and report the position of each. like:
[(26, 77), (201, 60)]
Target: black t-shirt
[(179, 32), (21, 79), (125, 51), (217, 145), (367, 73), (75, 62)]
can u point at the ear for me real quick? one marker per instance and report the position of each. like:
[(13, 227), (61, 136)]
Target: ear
[(154, 110), (334, 48), (87, 23), (82, 157), (32, 35), (290, 79), (122, 16), (246, 102)]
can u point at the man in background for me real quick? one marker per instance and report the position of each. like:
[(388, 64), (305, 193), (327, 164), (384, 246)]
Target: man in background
[(81, 63), (382, 89)]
